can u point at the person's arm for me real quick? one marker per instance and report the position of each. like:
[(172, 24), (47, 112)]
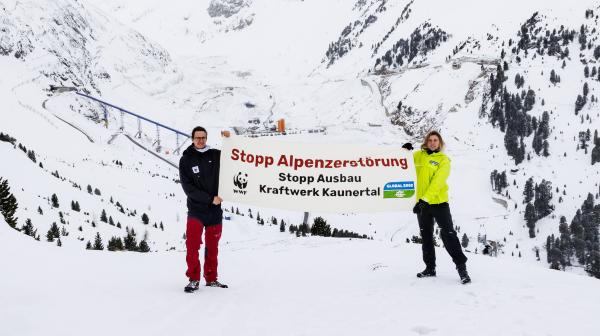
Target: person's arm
[(191, 190), (217, 199), (438, 181)]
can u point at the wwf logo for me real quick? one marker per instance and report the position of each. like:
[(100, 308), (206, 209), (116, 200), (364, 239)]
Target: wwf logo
[(240, 180)]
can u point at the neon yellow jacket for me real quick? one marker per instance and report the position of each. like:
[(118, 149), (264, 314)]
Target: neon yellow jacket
[(432, 172)]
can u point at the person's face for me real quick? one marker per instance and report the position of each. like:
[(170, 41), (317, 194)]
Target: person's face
[(199, 139), (433, 143)]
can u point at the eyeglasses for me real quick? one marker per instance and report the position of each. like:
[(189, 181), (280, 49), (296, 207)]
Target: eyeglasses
[(199, 138)]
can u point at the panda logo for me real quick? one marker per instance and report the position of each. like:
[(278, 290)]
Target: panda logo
[(240, 180)]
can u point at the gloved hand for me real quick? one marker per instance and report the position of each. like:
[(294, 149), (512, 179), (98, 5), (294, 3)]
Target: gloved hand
[(420, 207), (408, 146)]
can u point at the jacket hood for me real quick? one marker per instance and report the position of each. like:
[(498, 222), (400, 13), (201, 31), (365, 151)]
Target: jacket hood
[(189, 150)]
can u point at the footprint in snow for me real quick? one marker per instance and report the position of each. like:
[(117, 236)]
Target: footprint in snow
[(422, 330), (378, 266)]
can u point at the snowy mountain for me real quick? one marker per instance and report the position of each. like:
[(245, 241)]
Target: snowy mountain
[(511, 85)]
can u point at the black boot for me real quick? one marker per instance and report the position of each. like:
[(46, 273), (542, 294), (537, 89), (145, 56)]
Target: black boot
[(192, 286), (216, 284), (463, 274), (428, 272)]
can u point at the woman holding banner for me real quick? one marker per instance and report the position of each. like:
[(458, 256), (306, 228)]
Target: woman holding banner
[(433, 168)]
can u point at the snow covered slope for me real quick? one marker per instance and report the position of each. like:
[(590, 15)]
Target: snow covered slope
[(284, 286)]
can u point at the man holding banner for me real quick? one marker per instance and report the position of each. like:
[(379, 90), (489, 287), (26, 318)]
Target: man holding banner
[(199, 168)]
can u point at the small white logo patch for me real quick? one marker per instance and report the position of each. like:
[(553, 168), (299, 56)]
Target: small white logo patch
[(195, 169)]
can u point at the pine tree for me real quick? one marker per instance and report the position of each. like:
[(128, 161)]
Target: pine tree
[(144, 246), (98, 242), (39, 210), (54, 200), (49, 236), (530, 219), (593, 265), (465, 240), (529, 100), (537, 144), (543, 195), (89, 189), (320, 227), (579, 104), (282, 226), (554, 78), (115, 244), (55, 230), (88, 246), (145, 219), (8, 204), (28, 228), (130, 241), (528, 190), (103, 216), (97, 192), (596, 154), (31, 156), (546, 152), (521, 152)]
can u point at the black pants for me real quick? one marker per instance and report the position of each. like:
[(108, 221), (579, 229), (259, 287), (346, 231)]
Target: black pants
[(441, 214)]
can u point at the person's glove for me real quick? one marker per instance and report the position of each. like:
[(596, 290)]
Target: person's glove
[(408, 146), (420, 207)]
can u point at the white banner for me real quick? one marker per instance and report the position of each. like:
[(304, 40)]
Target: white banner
[(316, 177)]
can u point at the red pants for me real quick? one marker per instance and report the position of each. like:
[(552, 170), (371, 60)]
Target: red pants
[(193, 242)]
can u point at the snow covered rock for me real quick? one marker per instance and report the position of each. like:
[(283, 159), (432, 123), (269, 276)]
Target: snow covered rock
[(226, 8)]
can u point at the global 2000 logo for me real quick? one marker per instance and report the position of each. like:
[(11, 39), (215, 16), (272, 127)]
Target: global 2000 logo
[(399, 189)]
